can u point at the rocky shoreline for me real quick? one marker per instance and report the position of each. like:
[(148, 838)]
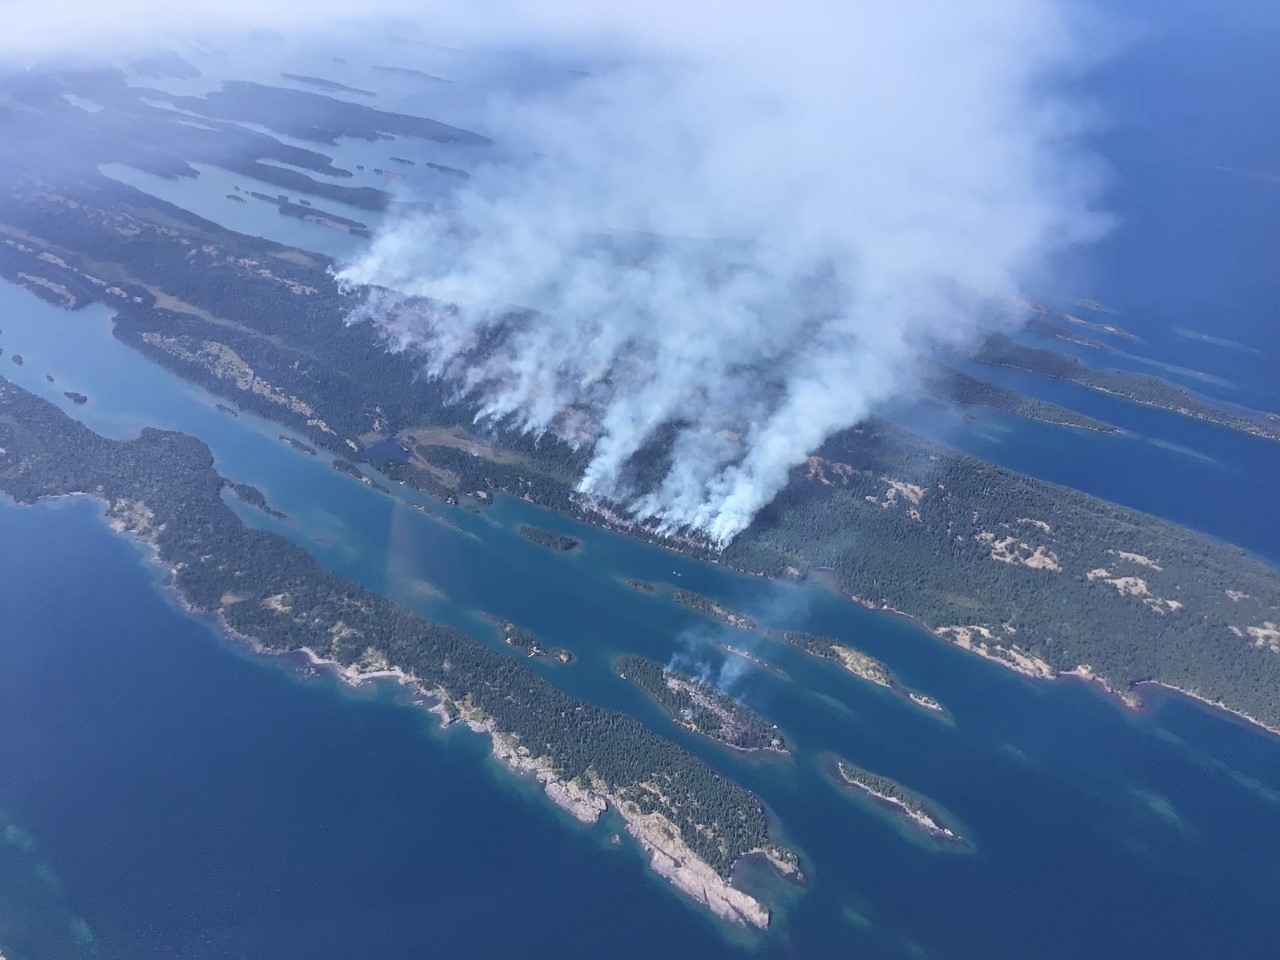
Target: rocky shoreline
[(668, 854)]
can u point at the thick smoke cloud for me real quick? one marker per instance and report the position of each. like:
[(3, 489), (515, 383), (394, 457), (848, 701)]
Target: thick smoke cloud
[(750, 223)]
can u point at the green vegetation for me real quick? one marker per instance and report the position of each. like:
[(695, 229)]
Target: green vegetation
[(254, 498), (700, 707), (305, 211), (709, 608), (77, 398), (880, 786), (548, 539), (347, 468), (1041, 577), (528, 643), (644, 586), (163, 489), (855, 661), (893, 796), (957, 387), (1148, 390), (297, 445)]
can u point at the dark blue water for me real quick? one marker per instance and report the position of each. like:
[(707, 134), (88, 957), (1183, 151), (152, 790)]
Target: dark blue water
[(1191, 107), (196, 803)]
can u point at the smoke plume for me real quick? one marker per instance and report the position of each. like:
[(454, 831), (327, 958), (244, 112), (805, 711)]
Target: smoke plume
[(738, 228)]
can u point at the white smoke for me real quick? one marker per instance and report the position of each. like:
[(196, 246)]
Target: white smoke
[(747, 221)]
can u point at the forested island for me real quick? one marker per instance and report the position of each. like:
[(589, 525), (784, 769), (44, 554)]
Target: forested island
[(528, 643), (270, 594), (709, 608), (701, 707), (860, 664), (892, 797), (548, 539), (1148, 390), (349, 469), (949, 384), (1043, 579)]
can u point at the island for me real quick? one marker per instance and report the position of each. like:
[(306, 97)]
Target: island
[(331, 86), (79, 399), (700, 707), (855, 661), (349, 469), (1145, 389), (713, 610), (297, 445), (549, 539), (860, 664), (269, 594), (948, 384), (254, 498), (527, 642), (304, 210), (893, 798)]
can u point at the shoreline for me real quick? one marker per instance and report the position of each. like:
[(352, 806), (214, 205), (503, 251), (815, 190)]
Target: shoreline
[(664, 847), (897, 807), (1126, 700), (667, 853)]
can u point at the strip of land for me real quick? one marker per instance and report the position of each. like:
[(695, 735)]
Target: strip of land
[(1147, 390), (894, 798)]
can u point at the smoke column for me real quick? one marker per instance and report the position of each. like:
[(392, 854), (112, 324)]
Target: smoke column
[(743, 225)]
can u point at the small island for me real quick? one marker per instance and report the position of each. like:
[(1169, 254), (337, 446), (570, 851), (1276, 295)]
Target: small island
[(79, 399), (528, 643), (893, 798), (855, 661), (644, 586), (296, 444), (549, 539), (254, 497), (700, 707), (709, 608), (752, 659), (860, 665), (17, 358), (347, 468)]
